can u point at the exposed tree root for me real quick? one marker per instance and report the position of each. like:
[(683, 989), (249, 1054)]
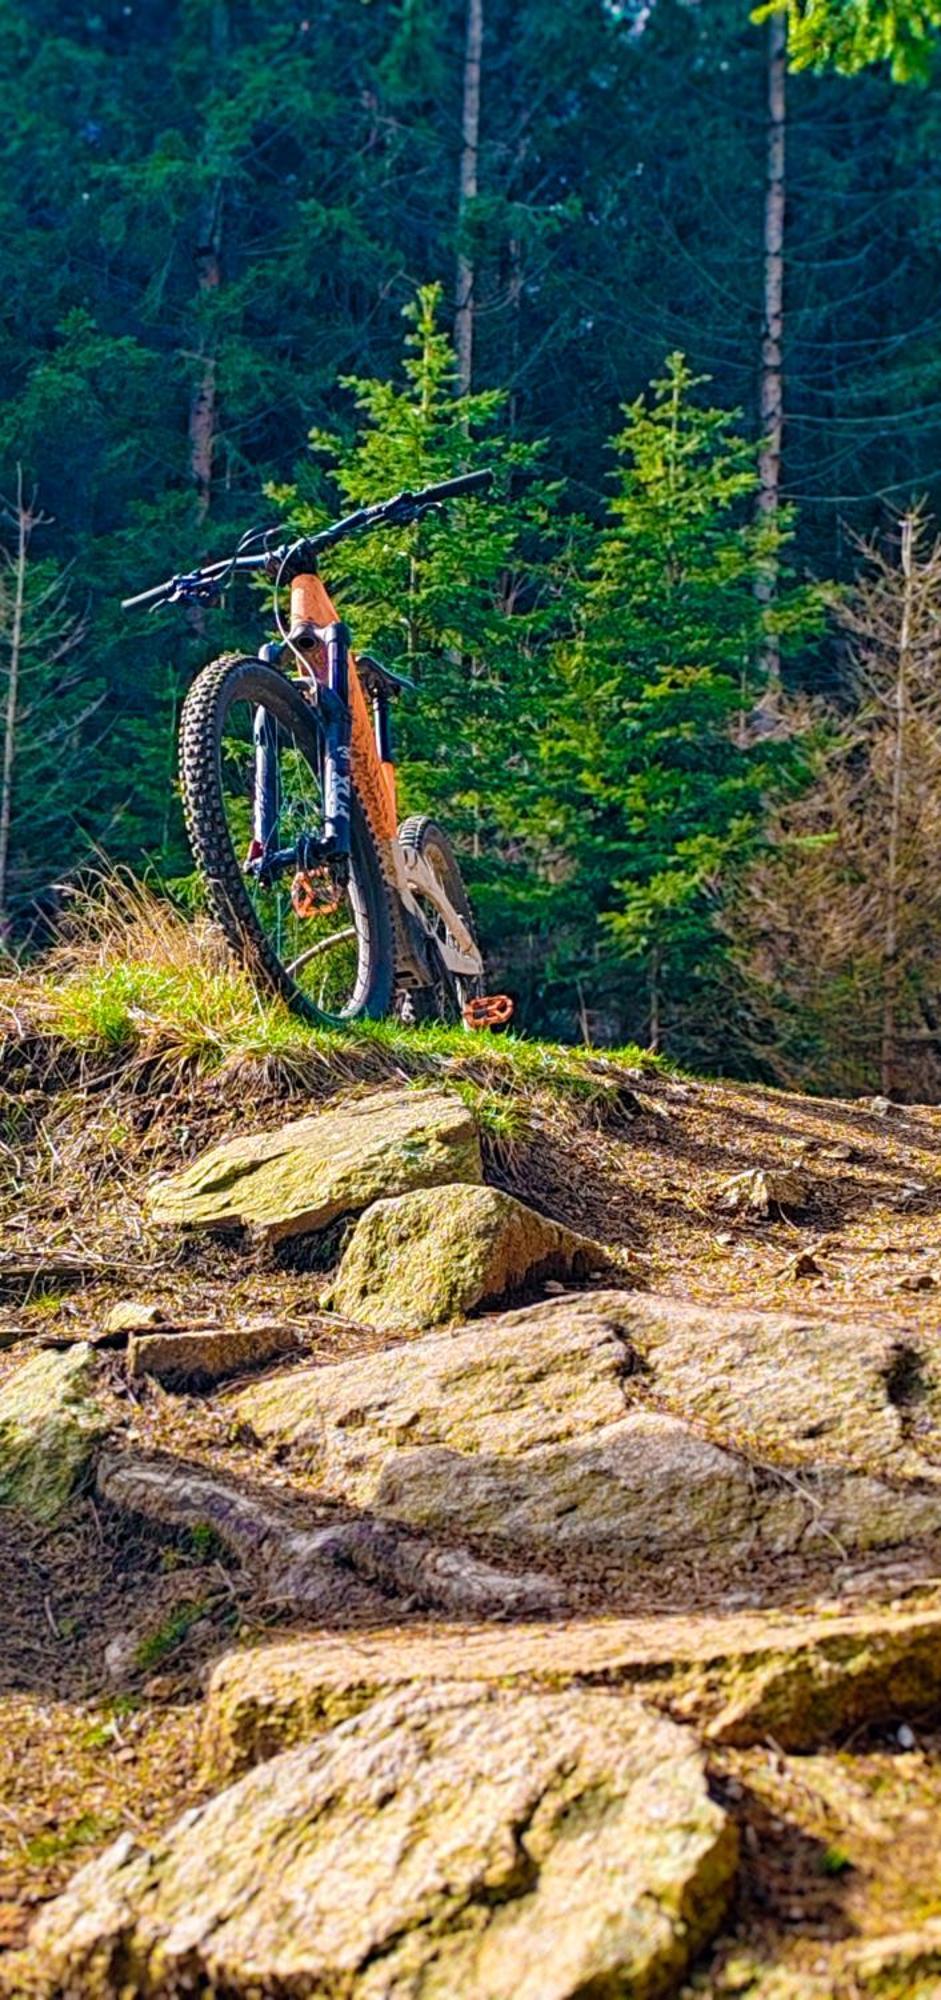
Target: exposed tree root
[(300, 1565)]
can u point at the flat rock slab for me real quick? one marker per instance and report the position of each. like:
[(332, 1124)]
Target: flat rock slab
[(619, 1421), (458, 1841), (210, 1354), (741, 1678), (303, 1176), (132, 1316), (422, 1259), (49, 1427)]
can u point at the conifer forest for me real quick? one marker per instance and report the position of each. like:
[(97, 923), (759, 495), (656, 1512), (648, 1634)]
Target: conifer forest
[(673, 269)]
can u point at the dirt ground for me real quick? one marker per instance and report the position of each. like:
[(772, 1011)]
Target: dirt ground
[(837, 1846)]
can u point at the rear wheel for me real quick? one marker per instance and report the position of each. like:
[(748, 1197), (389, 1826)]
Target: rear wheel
[(323, 939), (449, 993)]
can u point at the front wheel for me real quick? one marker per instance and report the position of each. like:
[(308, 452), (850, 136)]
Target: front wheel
[(450, 992), (251, 759)]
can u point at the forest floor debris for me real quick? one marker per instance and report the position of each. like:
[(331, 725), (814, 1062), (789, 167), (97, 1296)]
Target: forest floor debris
[(115, 1622)]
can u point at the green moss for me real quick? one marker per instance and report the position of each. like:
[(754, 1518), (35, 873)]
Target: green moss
[(49, 1426), (169, 1635), (425, 1258), (64, 1840)]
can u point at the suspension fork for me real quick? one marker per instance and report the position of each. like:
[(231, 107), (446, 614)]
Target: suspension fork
[(325, 651), (266, 801)]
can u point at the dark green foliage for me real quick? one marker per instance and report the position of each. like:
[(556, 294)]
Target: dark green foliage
[(465, 604), (214, 212), (666, 757)]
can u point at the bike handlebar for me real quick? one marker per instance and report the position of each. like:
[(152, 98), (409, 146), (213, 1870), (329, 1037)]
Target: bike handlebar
[(397, 512)]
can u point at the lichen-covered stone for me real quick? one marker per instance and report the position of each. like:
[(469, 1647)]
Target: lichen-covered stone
[(421, 1259), (131, 1316), (209, 1354), (785, 1386), (49, 1425), (903, 1966), (740, 1677), (515, 1428), (548, 1425), (303, 1176), (459, 1841)]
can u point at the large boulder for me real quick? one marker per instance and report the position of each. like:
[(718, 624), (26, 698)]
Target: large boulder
[(306, 1174), (741, 1677), (458, 1841), (591, 1421), (419, 1260), (49, 1426)]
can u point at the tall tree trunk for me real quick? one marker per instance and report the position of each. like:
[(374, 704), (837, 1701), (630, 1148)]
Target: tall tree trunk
[(203, 403), (11, 705), (772, 363), (202, 418), (890, 942), (470, 146)]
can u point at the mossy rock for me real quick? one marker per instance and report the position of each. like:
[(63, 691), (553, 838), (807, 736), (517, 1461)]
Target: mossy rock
[(423, 1259), (49, 1426), (462, 1841), (799, 1679), (299, 1179)]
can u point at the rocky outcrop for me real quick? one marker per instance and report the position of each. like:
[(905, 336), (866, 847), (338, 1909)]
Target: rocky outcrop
[(619, 1421), (741, 1678), (422, 1259), (49, 1426), (530, 1844), (782, 1386), (303, 1176)]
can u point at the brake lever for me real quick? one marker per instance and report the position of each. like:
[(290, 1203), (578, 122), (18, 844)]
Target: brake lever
[(192, 589)]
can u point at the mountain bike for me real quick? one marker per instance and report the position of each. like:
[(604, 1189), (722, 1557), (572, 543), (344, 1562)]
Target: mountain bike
[(289, 794)]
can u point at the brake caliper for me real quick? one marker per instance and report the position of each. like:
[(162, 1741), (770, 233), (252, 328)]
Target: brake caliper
[(488, 1010), (314, 893)]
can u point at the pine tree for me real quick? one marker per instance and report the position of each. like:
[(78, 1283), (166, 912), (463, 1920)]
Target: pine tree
[(462, 603), (664, 780)]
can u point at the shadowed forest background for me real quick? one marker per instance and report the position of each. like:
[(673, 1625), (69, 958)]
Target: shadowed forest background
[(679, 684)]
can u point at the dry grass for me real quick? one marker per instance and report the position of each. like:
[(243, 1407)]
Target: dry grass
[(135, 976)]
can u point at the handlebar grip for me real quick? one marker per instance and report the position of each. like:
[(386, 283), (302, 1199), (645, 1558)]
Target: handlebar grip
[(468, 482), (145, 597)]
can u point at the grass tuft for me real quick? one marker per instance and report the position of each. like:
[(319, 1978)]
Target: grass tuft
[(136, 977)]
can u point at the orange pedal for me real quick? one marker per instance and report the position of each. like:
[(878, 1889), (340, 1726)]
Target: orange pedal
[(488, 1010)]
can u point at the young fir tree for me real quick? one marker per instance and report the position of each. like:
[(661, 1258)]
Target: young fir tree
[(849, 34), (663, 759), (463, 603)]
